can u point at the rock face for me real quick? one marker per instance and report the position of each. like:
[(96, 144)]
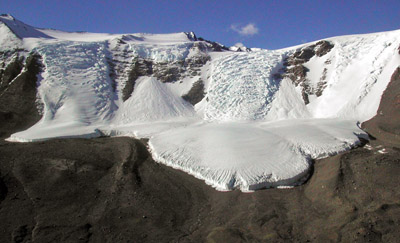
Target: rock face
[(386, 124), (3, 190), (215, 46), (10, 72), (140, 67), (297, 72), (196, 93), (171, 72), (126, 67), (18, 108)]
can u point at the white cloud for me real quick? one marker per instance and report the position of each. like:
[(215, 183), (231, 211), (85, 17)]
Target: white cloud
[(247, 30)]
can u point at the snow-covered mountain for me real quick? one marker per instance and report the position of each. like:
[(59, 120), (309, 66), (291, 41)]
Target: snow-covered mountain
[(235, 118)]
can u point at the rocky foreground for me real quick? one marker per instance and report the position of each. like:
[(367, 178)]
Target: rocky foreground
[(110, 190)]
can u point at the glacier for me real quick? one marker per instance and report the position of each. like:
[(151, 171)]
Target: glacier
[(252, 129)]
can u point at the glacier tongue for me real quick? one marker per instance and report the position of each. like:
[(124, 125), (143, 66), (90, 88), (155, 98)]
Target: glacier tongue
[(251, 130), (252, 156)]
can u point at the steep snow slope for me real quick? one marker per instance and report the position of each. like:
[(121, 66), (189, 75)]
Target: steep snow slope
[(8, 40), (264, 116), (20, 29), (287, 103), (152, 101)]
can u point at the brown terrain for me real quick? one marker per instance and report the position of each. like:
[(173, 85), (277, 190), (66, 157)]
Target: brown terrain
[(111, 190)]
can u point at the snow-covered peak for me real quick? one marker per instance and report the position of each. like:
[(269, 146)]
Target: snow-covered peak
[(20, 29), (191, 35), (239, 47), (7, 16), (8, 40)]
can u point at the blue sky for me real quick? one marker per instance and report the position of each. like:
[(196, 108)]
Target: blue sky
[(262, 23)]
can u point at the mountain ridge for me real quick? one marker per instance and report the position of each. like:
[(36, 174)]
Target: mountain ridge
[(190, 34)]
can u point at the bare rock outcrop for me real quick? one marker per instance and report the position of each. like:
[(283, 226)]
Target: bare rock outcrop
[(297, 72), (18, 107), (126, 68), (386, 123), (196, 93)]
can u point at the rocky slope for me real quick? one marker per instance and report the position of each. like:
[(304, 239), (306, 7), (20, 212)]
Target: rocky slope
[(18, 107)]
